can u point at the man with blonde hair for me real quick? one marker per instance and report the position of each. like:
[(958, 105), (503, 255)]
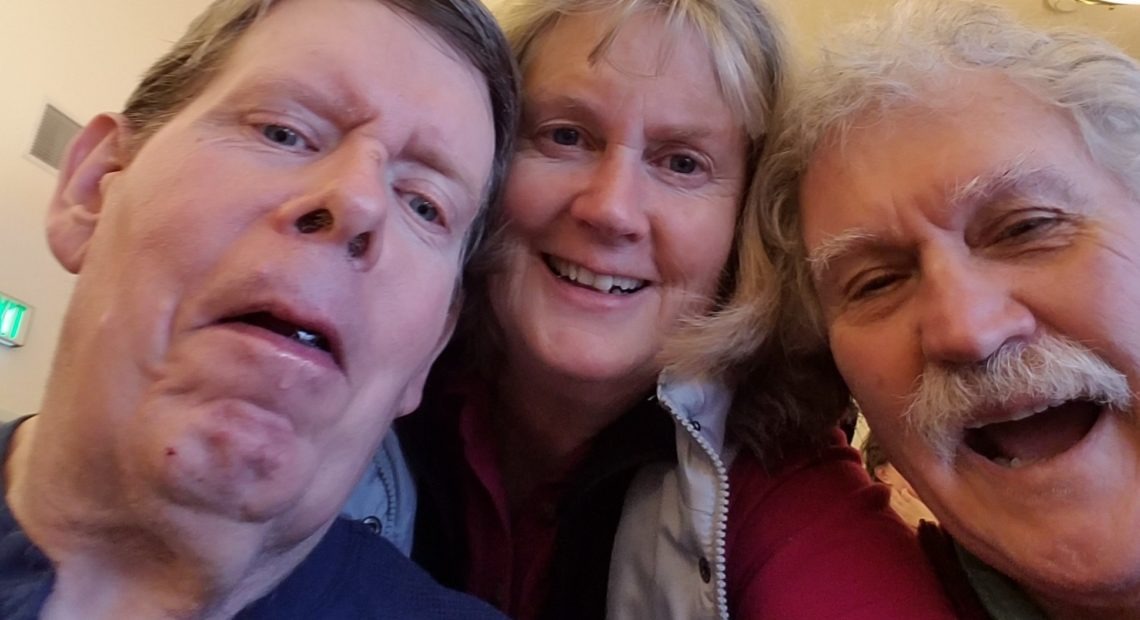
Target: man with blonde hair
[(954, 209), (268, 242)]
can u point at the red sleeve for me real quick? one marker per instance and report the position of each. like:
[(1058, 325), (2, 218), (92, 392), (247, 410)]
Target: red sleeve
[(818, 540)]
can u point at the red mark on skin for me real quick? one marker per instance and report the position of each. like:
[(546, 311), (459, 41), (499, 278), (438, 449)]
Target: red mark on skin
[(171, 452)]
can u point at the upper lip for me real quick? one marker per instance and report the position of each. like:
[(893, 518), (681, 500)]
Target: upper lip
[(297, 313)]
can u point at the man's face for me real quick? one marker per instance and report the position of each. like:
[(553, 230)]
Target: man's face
[(264, 285), (980, 232)]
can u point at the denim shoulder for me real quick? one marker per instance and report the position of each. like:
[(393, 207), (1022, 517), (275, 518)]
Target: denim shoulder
[(385, 497)]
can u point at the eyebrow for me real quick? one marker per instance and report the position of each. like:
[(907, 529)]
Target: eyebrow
[(334, 100), (844, 244), (329, 96), (1016, 180)]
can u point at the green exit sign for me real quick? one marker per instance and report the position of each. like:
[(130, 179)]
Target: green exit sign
[(15, 318)]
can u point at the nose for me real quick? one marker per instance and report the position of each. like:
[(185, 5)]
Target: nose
[(968, 313), (610, 203), (345, 205)]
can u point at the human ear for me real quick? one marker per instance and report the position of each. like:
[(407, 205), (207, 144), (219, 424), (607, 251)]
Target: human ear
[(96, 153)]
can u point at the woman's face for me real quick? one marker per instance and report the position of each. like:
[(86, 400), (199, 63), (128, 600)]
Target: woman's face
[(621, 201)]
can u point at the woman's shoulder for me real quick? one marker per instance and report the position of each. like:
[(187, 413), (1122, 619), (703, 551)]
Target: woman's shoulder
[(815, 538), (807, 487)]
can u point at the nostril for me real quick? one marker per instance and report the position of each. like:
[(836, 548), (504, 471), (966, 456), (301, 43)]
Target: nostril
[(358, 245), (314, 221)]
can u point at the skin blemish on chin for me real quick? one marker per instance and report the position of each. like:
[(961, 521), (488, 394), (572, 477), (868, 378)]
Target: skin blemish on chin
[(171, 452)]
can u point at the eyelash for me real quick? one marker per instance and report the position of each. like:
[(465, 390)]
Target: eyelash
[(266, 128), (549, 134), (1027, 228), (700, 165), (861, 288), (437, 216)]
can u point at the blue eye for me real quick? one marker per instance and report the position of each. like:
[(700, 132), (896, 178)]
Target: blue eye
[(424, 209), (683, 164), (566, 136), (282, 135)]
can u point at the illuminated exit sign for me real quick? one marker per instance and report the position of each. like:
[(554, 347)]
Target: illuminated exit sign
[(15, 318)]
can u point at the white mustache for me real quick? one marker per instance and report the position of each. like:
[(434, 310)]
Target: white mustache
[(1049, 369)]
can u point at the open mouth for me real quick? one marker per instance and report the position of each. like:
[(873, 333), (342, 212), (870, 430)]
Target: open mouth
[(1036, 435), (603, 283), (302, 334)]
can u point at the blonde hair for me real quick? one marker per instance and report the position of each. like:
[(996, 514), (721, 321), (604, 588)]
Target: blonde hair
[(748, 62)]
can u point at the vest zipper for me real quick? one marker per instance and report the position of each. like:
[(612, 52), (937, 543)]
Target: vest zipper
[(720, 511)]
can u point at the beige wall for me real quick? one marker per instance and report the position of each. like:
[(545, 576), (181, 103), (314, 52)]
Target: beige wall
[(83, 56), (807, 21)]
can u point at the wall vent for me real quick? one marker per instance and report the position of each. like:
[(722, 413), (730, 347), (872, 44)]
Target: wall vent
[(54, 134)]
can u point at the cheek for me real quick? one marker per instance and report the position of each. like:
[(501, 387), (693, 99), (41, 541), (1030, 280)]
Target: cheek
[(876, 367), (695, 249), (532, 194)]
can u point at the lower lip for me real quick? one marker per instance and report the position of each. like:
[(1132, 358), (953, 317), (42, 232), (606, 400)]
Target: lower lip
[(282, 347), (1045, 471), (590, 298)]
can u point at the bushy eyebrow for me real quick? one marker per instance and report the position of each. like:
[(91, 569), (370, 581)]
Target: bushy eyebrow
[(836, 247), (1016, 181)]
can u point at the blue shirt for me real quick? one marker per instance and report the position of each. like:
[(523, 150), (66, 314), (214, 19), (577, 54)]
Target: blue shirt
[(352, 573)]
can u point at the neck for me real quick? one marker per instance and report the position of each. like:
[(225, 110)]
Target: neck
[(544, 421), (118, 555)]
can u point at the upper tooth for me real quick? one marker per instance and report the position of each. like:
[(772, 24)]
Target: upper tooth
[(627, 283), (585, 277)]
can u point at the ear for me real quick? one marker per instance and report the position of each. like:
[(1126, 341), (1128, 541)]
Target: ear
[(413, 392), (98, 151)]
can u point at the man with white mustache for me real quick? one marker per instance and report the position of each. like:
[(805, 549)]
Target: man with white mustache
[(954, 209)]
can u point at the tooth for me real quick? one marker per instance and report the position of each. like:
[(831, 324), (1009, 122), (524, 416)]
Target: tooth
[(585, 277), (1021, 415), (1015, 463), (1001, 460), (308, 339), (603, 283)]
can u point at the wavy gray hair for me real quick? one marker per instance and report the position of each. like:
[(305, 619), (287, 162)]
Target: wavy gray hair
[(877, 66)]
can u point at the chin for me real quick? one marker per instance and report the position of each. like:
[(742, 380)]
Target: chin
[(233, 475), (1067, 562), (591, 368)]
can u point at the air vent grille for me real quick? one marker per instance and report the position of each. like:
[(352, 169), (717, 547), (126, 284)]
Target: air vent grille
[(54, 134)]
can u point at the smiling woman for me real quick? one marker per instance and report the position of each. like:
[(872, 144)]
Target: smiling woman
[(565, 469)]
